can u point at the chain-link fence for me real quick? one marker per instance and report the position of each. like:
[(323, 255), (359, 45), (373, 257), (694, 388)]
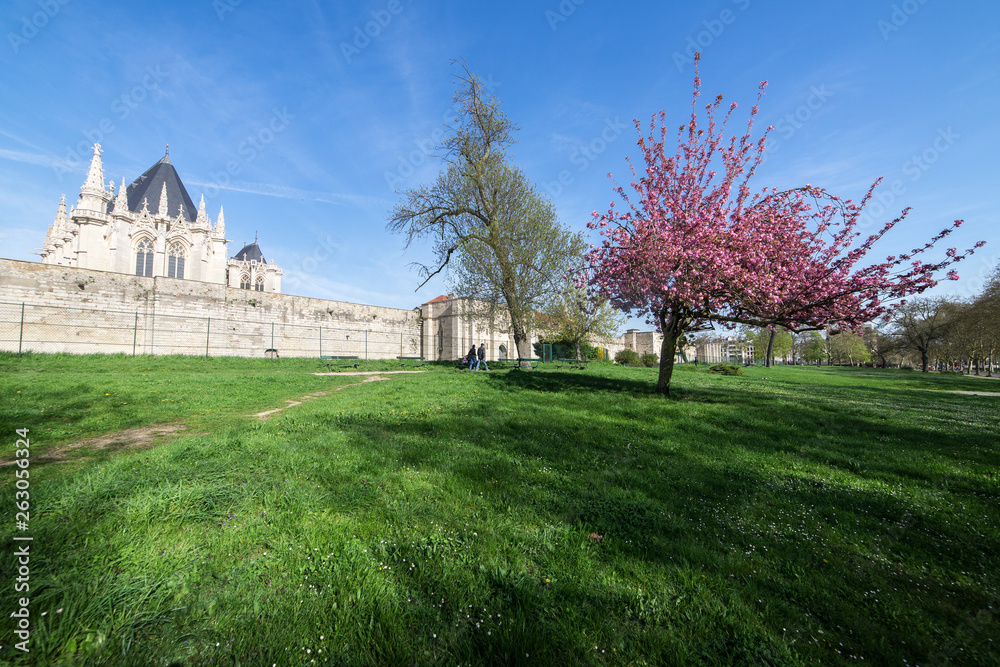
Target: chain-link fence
[(39, 328)]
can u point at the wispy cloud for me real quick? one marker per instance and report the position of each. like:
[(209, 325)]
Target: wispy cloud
[(24, 156), (285, 192)]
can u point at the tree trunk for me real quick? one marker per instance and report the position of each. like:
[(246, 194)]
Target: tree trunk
[(672, 328), (522, 344), (770, 349), (578, 357), (923, 360)]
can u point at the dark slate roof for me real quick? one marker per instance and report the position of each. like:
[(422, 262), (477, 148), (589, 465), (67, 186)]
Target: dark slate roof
[(149, 186), (250, 253)]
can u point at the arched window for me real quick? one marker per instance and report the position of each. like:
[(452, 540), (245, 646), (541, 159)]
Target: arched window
[(144, 258), (245, 281), (503, 352), (175, 261), (259, 285)]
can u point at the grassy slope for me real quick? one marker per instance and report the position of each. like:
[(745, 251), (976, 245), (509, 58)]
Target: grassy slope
[(781, 516)]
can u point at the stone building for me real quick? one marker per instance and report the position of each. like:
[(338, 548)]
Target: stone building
[(724, 350), (150, 228)]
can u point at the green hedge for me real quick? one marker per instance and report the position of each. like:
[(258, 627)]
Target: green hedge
[(627, 357)]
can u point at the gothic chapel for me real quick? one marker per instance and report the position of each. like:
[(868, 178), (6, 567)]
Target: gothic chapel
[(151, 228)]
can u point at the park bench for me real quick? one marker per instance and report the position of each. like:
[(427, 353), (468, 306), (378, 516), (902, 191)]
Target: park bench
[(351, 361), (421, 360), (573, 363)]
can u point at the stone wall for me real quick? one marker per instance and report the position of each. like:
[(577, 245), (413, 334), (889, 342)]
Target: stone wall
[(83, 311), (75, 310)]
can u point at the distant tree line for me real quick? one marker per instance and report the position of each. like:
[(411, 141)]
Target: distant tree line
[(948, 334)]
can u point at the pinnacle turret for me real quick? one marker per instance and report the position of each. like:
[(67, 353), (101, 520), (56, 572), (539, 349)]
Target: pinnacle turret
[(121, 200), (220, 224), (162, 209), (60, 220), (202, 219)]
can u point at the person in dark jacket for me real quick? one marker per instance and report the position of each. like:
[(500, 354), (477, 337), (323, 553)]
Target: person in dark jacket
[(482, 356), (471, 356)]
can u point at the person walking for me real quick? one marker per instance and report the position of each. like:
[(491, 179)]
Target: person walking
[(471, 356), (482, 357)]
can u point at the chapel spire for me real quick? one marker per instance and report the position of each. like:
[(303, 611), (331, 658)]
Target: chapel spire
[(220, 224), (93, 195), (95, 175)]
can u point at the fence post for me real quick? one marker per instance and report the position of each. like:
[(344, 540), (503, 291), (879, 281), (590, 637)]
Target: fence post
[(208, 332), (366, 344), (321, 341), (20, 336), (135, 333), (400, 345), (272, 335)]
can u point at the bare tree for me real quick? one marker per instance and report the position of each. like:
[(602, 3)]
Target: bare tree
[(490, 225), (919, 324)]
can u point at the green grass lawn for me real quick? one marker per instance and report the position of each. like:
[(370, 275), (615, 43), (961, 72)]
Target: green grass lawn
[(786, 516)]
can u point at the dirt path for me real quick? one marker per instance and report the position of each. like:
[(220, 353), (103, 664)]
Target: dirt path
[(133, 438), (370, 373), (292, 402), (147, 436), (962, 391)]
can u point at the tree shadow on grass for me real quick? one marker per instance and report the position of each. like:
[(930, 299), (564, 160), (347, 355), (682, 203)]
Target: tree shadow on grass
[(568, 380), (815, 535)]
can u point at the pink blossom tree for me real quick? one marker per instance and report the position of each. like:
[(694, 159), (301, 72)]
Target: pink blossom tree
[(695, 246)]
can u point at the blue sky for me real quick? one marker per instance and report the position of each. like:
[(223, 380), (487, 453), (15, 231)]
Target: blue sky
[(301, 119)]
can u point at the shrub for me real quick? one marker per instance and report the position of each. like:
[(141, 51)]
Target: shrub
[(649, 360), (726, 369), (627, 357)]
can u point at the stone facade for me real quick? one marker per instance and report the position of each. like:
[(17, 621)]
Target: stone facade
[(52, 308), (77, 310), (449, 330), (149, 228)]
